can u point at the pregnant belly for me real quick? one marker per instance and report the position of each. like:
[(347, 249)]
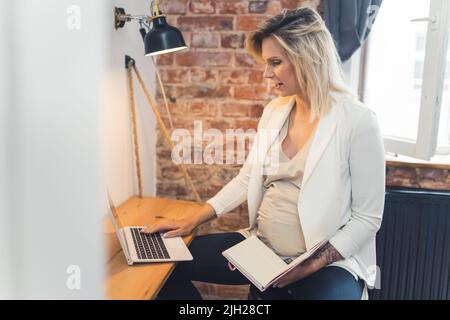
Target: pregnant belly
[(278, 224)]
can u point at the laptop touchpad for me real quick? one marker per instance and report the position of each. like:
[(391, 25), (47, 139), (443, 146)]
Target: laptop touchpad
[(175, 243)]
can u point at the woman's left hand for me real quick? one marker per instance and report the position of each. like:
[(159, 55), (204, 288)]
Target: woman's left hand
[(301, 271)]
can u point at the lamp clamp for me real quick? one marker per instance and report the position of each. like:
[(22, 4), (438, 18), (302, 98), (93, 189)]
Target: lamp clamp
[(129, 62)]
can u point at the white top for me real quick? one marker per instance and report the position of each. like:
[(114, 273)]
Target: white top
[(277, 223)]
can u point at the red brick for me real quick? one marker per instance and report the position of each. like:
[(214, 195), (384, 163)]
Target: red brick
[(250, 92), (257, 6), (290, 4), (232, 6), (213, 109), (170, 93), (246, 124), (164, 163), (173, 7), (256, 77), (202, 6), (172, 173), (202, 173), (433, 174), (174, 76), (187, 36), (203, 75), (164, 60), (176, 109), (205, 40), (315, 4), (233, 41), (203, 91), (403, 172), (199, 109), (191, 58), (246, 60), (183, 123), (273, 8), (172, 20), (235, 110), (398, 182), (221, 125), (434, 185), (165, 119), (172, 188), (227, 174), (207, 190), (235, 76), (249, 23), (256, 111), (216, 23), (163, 153)]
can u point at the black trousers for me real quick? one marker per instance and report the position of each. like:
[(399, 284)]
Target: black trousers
[(210, 266)]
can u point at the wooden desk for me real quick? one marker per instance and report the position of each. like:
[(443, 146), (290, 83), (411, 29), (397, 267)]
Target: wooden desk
[(140, 281)]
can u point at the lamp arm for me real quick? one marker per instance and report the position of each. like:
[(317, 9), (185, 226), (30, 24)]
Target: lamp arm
[(129, 17), (121, 17)]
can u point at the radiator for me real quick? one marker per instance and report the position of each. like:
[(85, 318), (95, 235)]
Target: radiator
[(413, 246)]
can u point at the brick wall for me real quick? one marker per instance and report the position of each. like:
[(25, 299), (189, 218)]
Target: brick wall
[(216, 82), (398, 175)]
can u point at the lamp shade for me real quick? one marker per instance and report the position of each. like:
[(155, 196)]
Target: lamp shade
[(163, 38)]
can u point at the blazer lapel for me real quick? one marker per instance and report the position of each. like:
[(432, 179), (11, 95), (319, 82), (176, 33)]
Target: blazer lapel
[(265, 138), (324, 132), (276, 122)]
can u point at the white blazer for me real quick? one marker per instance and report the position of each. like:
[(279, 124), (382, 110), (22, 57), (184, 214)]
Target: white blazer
[(342, 195)]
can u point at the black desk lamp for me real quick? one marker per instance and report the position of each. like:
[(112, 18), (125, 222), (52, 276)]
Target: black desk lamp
[(160, 38)]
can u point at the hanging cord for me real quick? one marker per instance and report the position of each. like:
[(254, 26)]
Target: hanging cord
[(135, 134), (164, 130)]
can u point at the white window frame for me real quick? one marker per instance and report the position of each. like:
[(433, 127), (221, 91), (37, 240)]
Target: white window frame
[(432, 86), (425, 147)]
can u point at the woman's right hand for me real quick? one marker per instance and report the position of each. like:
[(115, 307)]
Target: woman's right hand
[(183, 226), (171, 227)]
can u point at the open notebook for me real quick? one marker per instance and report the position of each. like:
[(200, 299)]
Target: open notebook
[(260, 264)]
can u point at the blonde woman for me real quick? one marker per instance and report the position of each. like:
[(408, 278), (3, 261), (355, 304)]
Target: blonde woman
[(321, 178)]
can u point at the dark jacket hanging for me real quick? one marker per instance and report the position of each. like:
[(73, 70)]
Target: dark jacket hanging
[(350, 22)]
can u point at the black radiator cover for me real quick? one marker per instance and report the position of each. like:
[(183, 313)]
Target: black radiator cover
[(413, 245)]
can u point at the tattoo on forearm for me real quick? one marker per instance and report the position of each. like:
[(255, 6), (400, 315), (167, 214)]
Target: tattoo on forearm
[(328, 253)]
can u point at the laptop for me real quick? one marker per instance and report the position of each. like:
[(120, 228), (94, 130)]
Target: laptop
[(145, 248)]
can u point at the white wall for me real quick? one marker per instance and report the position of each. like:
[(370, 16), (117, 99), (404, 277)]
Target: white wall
[(64, 119), (5, 244), (119, 161)]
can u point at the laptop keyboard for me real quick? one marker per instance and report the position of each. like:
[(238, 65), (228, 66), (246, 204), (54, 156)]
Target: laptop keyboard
[(149, 246)]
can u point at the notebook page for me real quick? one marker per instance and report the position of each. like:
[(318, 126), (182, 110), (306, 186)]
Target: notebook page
[(254, 258)]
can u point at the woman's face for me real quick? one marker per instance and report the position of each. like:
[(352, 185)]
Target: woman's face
[(279, 70)]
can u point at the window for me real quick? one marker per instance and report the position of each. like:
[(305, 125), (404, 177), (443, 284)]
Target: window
[(406, 79)]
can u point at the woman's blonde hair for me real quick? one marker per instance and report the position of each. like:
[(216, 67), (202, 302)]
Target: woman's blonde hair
[(311, 49)]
